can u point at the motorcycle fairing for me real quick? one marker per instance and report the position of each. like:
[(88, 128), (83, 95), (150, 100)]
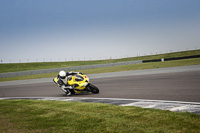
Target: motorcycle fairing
[(80, 81)]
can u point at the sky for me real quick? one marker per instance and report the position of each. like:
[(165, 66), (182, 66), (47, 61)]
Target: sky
[(66, 30)]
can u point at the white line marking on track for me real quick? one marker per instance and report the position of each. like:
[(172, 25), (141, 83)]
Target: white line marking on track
[(179, 108)]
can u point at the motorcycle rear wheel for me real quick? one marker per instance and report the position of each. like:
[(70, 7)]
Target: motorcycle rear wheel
[(94, 89)]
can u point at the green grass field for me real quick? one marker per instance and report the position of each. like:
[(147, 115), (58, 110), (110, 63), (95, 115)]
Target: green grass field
[(48, 65), (22, 116), (151, 65)]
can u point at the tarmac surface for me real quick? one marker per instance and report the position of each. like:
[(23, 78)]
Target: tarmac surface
[(175, 89)]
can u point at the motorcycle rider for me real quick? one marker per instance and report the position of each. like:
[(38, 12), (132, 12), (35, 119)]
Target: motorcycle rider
[(62, 81)]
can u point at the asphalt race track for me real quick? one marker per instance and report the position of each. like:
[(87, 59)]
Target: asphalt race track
[(172, 86)]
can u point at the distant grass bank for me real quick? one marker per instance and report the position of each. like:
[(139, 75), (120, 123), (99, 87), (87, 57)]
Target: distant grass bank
[(49, 65), (142, 66), (22, 116)]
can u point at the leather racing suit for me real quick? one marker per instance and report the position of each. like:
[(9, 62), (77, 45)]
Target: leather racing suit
[(63, 82)]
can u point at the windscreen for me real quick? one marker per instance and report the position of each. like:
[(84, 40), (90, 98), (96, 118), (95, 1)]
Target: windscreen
[(79, 78)]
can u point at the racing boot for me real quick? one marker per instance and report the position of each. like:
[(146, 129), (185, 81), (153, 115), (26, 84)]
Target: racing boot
[(69, 89), (68, 92)]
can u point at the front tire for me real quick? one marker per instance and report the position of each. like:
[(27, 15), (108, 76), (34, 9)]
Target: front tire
[(94, 89)]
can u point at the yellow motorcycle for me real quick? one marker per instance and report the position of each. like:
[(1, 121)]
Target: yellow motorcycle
[(80, 84)]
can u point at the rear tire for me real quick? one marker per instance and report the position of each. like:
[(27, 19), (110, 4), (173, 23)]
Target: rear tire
[(94, 89)]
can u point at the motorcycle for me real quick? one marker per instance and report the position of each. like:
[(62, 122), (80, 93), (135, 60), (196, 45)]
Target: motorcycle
[(80, 84)]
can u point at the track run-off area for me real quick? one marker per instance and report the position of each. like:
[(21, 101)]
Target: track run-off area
[(174, 88)]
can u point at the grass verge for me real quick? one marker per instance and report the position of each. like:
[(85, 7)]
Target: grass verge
[(14, 67), (57, 116), (151, 65)]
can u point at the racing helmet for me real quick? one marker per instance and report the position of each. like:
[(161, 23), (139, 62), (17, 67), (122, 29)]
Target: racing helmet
[(62, 74)]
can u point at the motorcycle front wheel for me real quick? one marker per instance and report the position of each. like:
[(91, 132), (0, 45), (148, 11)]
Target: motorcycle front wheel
[(94, 89)]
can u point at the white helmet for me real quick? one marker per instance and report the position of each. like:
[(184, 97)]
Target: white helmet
[(62, 74)]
